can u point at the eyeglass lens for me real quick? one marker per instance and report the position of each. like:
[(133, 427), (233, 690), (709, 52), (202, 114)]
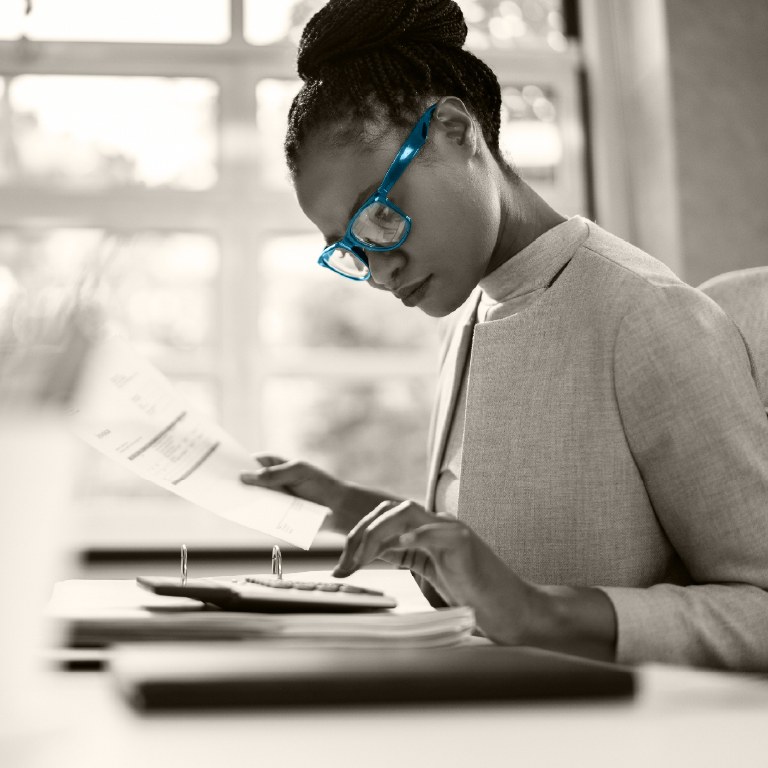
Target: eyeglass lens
[(347, 263), (379, 225)]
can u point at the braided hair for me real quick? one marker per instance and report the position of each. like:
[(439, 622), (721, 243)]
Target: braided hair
[(374, 61)]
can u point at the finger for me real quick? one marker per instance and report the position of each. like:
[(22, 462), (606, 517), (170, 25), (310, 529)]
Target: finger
[(265, 461), (269, 459), (437, 542), (418, 561), (384, 531), (282, 475), (435, 537), (421, 564), (407, 559), (345, 565)]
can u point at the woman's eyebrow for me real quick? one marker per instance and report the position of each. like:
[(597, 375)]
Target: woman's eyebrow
[(360, 199)]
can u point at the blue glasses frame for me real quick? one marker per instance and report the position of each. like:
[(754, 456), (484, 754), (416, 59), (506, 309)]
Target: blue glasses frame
[(353, 245)]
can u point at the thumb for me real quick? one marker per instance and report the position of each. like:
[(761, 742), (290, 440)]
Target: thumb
[(268, 459)]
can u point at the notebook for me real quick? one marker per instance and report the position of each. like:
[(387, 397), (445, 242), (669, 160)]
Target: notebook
[(195, 676), (97, 613)]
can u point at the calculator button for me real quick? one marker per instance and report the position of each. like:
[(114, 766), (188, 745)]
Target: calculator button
[(362, 591), (329, 587), (352, 590), (306, 585), (277, 583)]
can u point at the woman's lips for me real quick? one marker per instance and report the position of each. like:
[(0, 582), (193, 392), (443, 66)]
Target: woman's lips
[(414, 295)]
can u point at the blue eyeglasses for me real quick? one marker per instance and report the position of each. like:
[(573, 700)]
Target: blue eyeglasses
[(378, 225)]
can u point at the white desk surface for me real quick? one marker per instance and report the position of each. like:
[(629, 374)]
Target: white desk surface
[(680, 717)]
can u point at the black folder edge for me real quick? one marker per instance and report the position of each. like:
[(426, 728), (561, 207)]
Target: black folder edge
[(366, 677)]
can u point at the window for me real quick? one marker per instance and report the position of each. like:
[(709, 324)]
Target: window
[(153, 152), (94, 132), (130, 21)]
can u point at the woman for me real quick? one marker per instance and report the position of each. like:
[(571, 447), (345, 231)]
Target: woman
[(599, 479)]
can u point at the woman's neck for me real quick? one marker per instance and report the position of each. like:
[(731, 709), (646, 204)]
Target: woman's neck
[(525, 216)]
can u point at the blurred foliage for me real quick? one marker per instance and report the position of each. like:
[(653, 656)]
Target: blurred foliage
[(159, 287), (304, 305), (347, 314), (373, 433)]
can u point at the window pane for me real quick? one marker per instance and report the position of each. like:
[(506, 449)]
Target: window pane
[(530, 133), (492, 23), (307, 306), (372, 433), (144, 21), (6, 143), (514, 24), (163, 288), (273, 100), (159, 288), (91, 132), (278, 20)]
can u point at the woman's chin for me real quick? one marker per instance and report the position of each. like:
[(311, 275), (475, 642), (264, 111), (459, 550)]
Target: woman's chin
[(437, 305)]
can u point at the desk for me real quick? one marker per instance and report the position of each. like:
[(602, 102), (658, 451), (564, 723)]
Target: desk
[(680, 718)]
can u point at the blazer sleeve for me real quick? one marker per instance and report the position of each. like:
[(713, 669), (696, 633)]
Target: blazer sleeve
[(698, 432)]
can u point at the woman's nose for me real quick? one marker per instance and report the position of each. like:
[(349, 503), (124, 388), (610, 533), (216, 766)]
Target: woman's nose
[(384, 266)]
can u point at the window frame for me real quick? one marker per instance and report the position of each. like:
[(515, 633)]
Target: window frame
[(241, 363)]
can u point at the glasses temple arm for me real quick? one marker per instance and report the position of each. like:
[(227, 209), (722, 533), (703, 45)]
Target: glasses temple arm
[(411, 147)]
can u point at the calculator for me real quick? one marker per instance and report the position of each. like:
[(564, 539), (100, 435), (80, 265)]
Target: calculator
[(270, 594)]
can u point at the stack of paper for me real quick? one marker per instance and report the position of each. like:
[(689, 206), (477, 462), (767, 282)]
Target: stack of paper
[(98, 613)]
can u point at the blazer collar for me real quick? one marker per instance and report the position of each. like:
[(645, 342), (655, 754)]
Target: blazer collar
[(451, 372), (537, 264)]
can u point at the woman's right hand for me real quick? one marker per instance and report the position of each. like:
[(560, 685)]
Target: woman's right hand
[(348, 503)]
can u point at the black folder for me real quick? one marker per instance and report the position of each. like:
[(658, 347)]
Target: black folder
[(190, 676)]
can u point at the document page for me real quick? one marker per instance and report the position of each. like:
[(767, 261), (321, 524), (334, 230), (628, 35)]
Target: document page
[(130, 412)]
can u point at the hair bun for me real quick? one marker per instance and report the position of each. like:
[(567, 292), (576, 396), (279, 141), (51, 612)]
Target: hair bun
[(343, 30)]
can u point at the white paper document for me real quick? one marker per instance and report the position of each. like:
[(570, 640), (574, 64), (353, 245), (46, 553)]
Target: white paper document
[(92, 613), (130, 412)]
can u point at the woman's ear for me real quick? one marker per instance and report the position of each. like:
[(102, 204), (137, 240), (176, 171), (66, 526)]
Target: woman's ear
[(455, 123)]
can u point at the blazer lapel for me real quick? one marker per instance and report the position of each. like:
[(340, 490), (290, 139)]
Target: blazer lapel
[(450, 383)]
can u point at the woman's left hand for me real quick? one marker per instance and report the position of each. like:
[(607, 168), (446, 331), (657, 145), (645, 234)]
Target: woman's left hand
[(453, 558)]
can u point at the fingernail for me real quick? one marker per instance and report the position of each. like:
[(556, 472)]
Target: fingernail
[(253, 473), (346, 566), (407, 539)]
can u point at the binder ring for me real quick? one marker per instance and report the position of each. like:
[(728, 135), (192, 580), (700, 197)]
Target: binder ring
[(183, 564), (277, 562)]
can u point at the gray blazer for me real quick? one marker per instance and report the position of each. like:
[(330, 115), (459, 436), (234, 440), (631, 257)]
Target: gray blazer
[(614, 437)]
